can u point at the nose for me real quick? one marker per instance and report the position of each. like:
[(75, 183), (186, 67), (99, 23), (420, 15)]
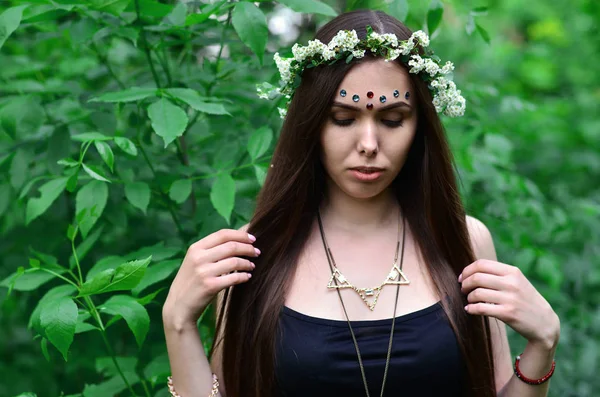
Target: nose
[(368, 141)]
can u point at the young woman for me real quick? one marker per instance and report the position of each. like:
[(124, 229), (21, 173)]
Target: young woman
[(362, 274)]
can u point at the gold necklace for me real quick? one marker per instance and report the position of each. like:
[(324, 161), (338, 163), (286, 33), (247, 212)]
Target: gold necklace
[(394, 277), (389, 352)]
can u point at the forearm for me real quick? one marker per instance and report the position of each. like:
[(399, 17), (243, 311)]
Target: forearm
[(536, 361), (190, 369)]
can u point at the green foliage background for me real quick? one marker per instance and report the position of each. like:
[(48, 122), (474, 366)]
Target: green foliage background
[(131, 128)]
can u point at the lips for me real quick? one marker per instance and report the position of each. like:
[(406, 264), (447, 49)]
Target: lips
[(367, 170)]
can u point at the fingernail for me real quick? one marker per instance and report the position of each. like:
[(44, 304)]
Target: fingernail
[(466, 309), (253, 265), (257, 251), (251, 237), (460, 278)]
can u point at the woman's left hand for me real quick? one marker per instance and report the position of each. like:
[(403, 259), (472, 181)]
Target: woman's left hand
[(502, 291)]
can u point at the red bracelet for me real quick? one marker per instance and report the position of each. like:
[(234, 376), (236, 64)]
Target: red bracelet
[(533, 381)]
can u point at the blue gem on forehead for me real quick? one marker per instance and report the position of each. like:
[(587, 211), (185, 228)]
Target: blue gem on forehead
[(382, 99), (407, 95), (343, 93), (396, 93), (355, 97)]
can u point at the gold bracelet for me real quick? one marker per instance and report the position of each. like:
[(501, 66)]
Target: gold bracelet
[(213, 393)]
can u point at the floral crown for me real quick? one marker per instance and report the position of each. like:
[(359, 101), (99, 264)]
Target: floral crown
[(347, 46)]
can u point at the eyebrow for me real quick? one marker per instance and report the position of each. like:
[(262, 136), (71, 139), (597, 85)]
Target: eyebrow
[(381, 109)]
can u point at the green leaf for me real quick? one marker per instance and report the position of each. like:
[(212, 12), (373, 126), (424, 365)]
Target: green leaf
[(115, 7), (134, 314), (90, 136), (19, 169), (138, 194), (158, 368), (93, 198), (157, 273), (52, 295), (168, 120), (126, 145), (108, 262), (129, 95), (177, 16), (68, 162), (50, 191), (44, 347), (27, 280), (180, 190), (260, 172), (250, 24), (94, 172), (222, 195), (10, 20), (125, 277), (399, 9), (58, 319), (483, 33), (259, 142), (106, 153), (309, 7), (434, 16), (197, 102)]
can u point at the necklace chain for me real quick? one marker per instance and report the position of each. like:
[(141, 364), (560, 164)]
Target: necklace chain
[(331, 262)]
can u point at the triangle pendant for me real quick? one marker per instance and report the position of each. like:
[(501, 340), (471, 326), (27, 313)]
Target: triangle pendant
[(343, 282), (396, 276)]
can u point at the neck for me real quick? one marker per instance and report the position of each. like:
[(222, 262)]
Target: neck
[(359, 216)]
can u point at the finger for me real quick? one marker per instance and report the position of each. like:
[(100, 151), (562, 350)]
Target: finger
[(483, 280), (485, 295), (230, 279), (486, 309), (230, 249), (222, 236), (229, 265), (485, 266)]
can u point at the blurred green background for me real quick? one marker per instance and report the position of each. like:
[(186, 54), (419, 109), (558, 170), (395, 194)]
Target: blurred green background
[(131, 128)]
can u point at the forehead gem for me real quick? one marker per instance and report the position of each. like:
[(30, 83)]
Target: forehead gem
[(407, 95), (355, 97), (382, 99), (370, 94), (370, 106), (343, 93), (396, 93)]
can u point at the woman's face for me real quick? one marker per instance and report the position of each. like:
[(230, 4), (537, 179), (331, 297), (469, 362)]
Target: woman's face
[(363, 131)]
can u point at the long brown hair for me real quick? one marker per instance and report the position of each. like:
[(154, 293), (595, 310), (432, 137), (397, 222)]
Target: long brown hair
[(286, 206)]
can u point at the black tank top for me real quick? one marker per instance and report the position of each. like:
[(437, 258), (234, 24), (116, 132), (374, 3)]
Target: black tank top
[(315, 357)]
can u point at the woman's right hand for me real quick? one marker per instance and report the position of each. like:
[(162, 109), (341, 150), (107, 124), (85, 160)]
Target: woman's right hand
[(210, 265)]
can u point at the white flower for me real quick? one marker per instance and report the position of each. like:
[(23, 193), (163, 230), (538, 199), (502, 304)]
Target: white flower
[(379, 39), (393, 54), (406, 47), (390, 39), (358, 53), (284, 66), (447, 68), (421, 38), (431, 67), (282, 112), (300, 53), (346, 40), (417, 63)]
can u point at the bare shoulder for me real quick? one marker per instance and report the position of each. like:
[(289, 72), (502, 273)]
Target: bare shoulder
[(481, 239)]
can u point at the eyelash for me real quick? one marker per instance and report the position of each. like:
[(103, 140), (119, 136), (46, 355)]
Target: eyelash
[(387, 123)]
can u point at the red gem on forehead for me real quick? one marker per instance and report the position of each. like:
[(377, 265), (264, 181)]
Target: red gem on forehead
[(370, 94), (370, 106)]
